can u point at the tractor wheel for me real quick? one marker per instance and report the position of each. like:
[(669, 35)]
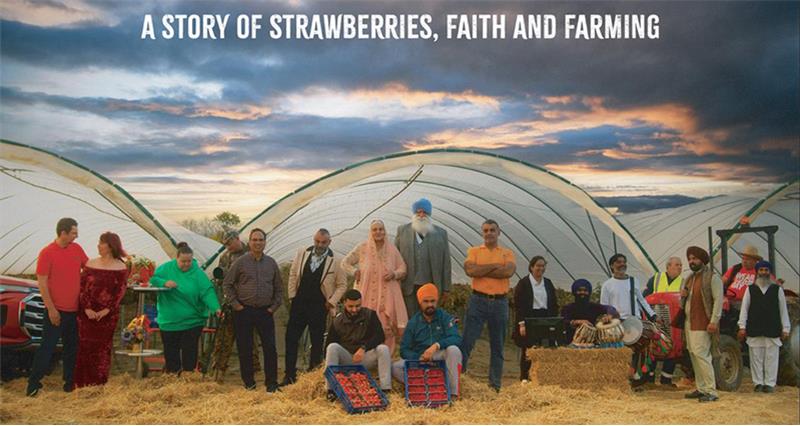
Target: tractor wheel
[(789, 364), (728, 368)]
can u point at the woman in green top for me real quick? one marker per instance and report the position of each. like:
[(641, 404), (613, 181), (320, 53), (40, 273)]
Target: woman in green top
[(183, 311)]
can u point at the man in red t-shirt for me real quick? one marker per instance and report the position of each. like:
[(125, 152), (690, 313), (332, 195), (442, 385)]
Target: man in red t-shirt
[(58, 270), (740, 276)]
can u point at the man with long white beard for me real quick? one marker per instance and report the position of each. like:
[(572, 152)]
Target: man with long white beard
[(426, 251), (764, 321)]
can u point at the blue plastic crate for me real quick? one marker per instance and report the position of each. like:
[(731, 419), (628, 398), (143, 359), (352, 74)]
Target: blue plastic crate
[(340, 393), (427, 366)]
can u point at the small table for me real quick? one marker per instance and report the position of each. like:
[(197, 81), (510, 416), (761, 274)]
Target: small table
[(140, 358), (140, 311)]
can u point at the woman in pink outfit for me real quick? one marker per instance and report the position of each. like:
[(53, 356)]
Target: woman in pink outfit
[(378, 268)]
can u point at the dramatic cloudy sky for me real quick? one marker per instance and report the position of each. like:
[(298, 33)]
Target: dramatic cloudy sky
[(196, 127)]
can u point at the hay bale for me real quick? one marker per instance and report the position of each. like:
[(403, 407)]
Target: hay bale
[(580, 368)]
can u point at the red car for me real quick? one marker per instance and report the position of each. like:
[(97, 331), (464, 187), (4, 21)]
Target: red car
[(22, 317)]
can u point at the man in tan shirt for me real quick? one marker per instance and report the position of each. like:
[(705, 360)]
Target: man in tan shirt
[(316, 284)]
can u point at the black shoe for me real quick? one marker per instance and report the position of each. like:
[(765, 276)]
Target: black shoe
[(69, 387), (708, 398), (250, 387), (273, 387), (758, 388), (768, 389), (331, 396), (637, 389), (694, 395), (33, 390), (495, 388), (289, 380)]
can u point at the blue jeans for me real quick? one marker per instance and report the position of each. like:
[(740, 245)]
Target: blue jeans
[(494, 312), (67, 332)]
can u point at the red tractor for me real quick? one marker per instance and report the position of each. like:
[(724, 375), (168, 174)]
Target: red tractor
[(729, 366)]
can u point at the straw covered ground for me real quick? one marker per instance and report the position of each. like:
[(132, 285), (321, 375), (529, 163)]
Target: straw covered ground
[(192, 399)]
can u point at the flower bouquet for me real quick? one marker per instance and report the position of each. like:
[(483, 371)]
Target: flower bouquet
[(141, 269), (134, 335)]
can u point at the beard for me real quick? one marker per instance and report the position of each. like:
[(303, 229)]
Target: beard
[(695, 266), (763, 281), (421, 225), (430, 311), (581, 299)]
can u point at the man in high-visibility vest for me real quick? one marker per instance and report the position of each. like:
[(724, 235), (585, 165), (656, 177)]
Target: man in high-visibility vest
[(666, 282)]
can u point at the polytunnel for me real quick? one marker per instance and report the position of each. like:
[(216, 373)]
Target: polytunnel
[(667, 232), (539, 212), (38, 187)]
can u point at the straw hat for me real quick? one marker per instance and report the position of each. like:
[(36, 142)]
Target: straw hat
[(751, 251)]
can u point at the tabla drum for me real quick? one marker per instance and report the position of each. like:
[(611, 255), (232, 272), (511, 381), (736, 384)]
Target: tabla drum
[(638, 334), (585, 335), (610, 332)]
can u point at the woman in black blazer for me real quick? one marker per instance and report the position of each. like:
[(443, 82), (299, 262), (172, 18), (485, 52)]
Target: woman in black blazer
[(524, 307)]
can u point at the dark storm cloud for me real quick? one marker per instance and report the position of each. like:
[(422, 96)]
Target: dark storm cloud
[(735, 65), (286, 143)]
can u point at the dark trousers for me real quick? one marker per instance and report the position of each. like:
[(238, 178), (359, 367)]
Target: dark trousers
[(524, 362), (667, 371), (260, 320), (180, 349), (302, 315), (524, 365), (67, 331)]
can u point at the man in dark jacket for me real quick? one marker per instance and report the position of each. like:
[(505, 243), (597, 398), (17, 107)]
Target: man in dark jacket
[(356, 337), (426, 251), (431, 335), (583, 311)]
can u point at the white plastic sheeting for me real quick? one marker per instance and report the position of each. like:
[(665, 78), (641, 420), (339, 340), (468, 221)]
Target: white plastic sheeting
[(667, 232), (37, 188), (204, 248), (539, 212)]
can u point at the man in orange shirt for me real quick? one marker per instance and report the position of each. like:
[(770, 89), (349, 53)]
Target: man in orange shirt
[(490, 266)]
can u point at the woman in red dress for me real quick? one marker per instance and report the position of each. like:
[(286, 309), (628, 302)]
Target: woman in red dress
[(103, 284)]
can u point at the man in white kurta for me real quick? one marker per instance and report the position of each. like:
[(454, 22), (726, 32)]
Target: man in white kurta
[(624, 293), (763, 327), (616, 291)]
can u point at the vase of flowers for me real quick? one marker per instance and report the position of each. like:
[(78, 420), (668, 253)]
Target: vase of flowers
[(141, 269), (134, 335)]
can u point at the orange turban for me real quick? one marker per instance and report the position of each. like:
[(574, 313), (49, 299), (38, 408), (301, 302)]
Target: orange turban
[(427, 290)]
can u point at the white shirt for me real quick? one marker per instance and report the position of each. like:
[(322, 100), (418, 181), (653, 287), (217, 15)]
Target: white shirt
[(316, 261), (539, 293), (763, 341), (617, 293)]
